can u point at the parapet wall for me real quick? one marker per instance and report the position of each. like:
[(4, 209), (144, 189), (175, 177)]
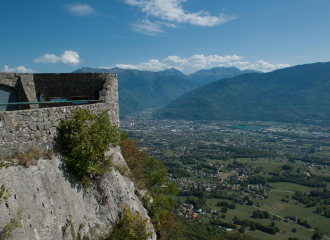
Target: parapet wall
[(23, 129)]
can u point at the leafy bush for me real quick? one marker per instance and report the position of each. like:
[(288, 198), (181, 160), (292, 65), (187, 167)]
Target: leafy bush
[(161, 214), (130, 227), (85, 138), (260, 214), (150, 173)]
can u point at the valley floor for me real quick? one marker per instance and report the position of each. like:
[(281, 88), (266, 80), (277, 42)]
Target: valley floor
[(280, 168)]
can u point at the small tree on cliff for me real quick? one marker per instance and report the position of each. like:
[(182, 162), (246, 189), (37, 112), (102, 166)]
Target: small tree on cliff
[(85, 138), (130, 227)]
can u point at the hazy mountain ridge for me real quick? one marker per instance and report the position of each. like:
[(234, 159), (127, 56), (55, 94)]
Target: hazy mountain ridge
[(206, 76), (298, 93), (145, 89)]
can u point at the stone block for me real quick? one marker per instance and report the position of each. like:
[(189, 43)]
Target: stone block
[(23, 138), (18, 118), (8, 120), (40, 126), (12, 129), (52, 130), (20, 133), (3, 132), (48, 125), (37, 134), (27, 130), (33, 127), (6, 145)]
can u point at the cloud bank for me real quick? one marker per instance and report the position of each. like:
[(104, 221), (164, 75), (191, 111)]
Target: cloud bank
[(19, 69), (172, 11), (265, 66), (67, 58), (197, 62)]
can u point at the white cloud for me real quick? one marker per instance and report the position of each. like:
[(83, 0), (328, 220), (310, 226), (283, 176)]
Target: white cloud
[(167, 24), (197, 62), (152, 65), (265, 66), (126, 66), (68, 58), (171, 10), (82, 10), (19, 69), (146, 27), (239, 64)]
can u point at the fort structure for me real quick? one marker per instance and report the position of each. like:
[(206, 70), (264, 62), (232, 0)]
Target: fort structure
[(46, 99)]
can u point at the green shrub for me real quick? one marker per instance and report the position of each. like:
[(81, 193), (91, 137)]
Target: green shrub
[(4, 194), (85, 138), (14, 223), (132, 226)]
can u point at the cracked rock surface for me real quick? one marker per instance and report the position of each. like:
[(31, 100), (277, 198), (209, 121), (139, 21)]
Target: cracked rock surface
[(53, 201)]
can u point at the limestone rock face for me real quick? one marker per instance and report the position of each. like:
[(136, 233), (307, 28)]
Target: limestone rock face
[(53, 201)]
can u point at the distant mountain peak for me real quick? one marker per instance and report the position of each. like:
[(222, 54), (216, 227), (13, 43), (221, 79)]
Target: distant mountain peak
[(294, 94), (174, 71)]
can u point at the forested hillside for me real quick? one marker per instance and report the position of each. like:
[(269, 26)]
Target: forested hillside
[(145, 89), (295, 94)]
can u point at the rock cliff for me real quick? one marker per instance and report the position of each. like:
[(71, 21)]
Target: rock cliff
[(53, 201)]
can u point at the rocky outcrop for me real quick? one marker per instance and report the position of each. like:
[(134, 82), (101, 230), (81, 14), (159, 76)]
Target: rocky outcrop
[(54, 202)]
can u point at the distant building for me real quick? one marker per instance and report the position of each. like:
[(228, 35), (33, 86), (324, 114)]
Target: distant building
[(293, 218)]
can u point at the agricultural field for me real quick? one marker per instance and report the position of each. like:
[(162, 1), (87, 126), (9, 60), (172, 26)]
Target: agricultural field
[(267, 164)]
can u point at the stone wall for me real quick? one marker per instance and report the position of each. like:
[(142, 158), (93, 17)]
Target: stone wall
[(9, 79), (69, 86), (23, 84), (21, 130)]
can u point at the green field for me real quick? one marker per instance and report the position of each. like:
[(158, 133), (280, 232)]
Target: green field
[(274, 205), (245, 212), (265, 163), (285, 186)]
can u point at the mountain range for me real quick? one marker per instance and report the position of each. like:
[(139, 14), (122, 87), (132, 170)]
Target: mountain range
[(294, 94), (145, 89)]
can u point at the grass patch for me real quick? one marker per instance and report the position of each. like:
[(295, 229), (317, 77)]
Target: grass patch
[(29, 158), (292, 187)]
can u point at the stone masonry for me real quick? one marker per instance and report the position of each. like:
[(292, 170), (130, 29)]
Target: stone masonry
[(21, 130)]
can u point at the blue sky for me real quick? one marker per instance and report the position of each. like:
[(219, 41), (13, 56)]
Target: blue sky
[(62, 36)]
